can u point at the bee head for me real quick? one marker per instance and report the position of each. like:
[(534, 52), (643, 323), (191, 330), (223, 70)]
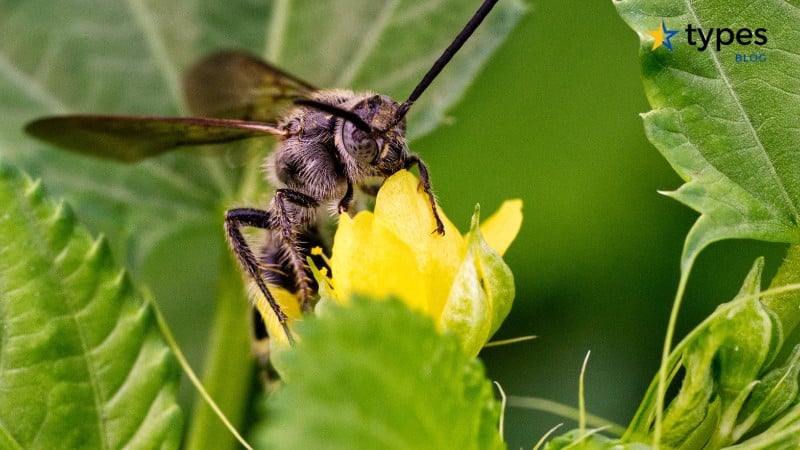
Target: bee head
[(378, 139), (372, 132)]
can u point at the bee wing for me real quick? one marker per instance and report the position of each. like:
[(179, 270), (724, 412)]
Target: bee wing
[(234, 85), (132, 138)]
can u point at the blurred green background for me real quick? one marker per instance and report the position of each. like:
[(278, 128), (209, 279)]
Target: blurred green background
[(553, 119)]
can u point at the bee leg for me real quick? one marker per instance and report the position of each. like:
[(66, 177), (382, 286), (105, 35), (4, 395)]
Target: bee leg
[(235, 219), (289, 239), (425, 181), (347, 200)]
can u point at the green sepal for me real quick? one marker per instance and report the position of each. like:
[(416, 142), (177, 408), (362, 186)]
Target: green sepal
[(482, 292), (573, 439), (724, 361)]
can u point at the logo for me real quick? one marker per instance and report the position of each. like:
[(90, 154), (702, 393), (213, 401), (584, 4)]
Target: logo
[(716, 39), (722, 37), (662, 36)]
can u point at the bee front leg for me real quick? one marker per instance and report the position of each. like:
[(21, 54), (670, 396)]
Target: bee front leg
[(288, 234), (425, 181), (347, 200), (235, 219)]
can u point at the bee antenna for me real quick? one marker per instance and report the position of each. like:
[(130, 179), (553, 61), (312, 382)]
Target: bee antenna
[(448, 54), (349, 116)]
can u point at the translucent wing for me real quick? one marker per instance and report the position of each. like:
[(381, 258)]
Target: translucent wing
[(234, 85), (131, 138)]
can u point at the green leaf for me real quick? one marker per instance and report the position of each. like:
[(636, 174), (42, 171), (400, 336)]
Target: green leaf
[(84, 365), (729, 129), (377, 375), (127, 57)]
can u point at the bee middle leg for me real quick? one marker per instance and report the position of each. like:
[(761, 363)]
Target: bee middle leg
[(289, 226)]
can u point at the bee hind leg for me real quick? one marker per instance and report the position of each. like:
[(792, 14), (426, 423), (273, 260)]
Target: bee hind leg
[(235, 219)]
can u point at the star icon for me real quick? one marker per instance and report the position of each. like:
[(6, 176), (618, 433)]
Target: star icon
[(662, 36)]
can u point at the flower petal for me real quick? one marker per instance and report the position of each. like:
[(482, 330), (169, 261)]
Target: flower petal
[(405, 210), (368, 259), (502, 227), (288, 303)]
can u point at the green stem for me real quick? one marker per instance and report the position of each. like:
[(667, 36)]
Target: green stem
[(661, 389), (228, 370), (787, 305)]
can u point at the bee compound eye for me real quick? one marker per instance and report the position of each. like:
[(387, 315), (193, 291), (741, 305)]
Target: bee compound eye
[(360, 144)]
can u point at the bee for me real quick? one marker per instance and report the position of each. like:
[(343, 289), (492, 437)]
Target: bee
[(329, 143)]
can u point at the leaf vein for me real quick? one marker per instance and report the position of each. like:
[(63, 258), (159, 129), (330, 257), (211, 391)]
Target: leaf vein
[(158, 49), (771, 208), (94, 382), (368, 42), (276, 31), (33, 90), (749, 124)]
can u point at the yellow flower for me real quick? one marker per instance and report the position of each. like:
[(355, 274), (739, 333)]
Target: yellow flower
[(459, 281)]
